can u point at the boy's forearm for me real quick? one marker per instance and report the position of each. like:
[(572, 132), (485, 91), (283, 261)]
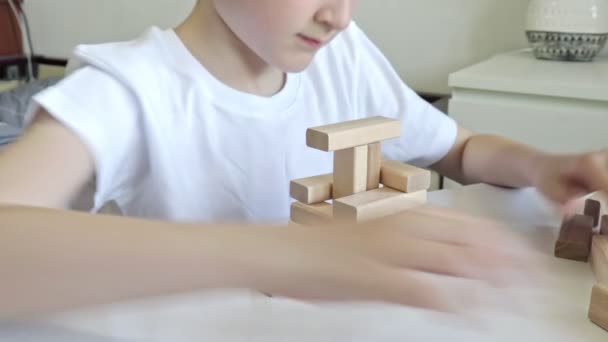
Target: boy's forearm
[(55, 260), (499, 161)]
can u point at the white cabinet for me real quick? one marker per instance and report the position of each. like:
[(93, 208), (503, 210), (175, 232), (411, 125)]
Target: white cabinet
[(557, 106)]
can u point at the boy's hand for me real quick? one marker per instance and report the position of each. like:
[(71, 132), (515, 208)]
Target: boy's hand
[(431, 258), (563, 178), (427, 257)]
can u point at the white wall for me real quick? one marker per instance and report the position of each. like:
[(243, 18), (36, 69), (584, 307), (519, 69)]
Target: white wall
[(428, 39), (58, 25), (425, 39)]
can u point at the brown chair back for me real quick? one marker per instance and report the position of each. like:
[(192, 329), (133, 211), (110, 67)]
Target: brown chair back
[(10, 33)]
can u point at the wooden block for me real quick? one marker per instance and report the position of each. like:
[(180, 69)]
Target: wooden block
[(311, 214), (312, 190), (374, 161), (604, 225), (350, 171), (592, 208), (375, 204), (599, 258), (349, 134), (598, 308), (574, 240), (404, 177)]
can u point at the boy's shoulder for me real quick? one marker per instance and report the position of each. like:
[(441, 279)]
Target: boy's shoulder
[(149, 50), (145, 64)]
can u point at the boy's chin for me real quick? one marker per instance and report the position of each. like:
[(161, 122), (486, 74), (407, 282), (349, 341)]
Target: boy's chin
[(295, 68), (296, 64)]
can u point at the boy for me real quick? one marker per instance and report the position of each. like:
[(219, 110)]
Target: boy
[(202, 127)]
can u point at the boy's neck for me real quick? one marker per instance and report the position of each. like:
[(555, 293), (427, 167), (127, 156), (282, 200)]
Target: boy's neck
[(225, 56)]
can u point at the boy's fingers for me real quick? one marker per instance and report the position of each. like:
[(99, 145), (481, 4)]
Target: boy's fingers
[(594, 171), (453, 227), (484, 264), (435, 292), (380, 283), (557, 193)]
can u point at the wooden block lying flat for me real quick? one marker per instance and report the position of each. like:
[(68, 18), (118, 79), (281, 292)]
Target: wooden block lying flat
[(598, 309), (311, 190), (592, 208), (311, 214), (374, 161), (352, 133), (404, 177), (599, 258), (375, 204), (574, 242), (350, 171), (604, 225)]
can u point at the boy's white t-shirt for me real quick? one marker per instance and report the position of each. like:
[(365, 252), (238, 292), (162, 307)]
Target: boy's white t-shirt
[(170, 141)]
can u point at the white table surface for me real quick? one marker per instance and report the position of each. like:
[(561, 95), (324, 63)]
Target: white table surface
[(556, 312)]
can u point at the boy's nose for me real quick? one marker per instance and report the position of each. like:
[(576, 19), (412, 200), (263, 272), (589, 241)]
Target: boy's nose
[(336, 14)]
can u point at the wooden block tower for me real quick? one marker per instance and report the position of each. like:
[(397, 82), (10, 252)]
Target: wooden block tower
[(363, 186)]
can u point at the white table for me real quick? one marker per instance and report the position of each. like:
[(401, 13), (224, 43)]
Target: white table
[(555, 313)]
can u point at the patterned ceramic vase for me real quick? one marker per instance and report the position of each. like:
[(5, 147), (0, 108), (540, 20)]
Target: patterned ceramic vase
[(567, 30)]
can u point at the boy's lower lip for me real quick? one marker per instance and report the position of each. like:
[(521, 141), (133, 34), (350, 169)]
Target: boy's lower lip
[(310, 41)]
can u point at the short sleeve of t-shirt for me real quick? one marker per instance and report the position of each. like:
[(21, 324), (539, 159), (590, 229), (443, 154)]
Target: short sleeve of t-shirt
[(427, 133), (105, 116)]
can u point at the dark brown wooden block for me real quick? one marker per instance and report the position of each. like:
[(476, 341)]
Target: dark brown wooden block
[(592, 208), (604, 225), (10, 32), (574, 242)]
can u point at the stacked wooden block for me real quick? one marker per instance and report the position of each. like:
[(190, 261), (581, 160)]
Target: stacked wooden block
[(579, 240), (577, 232), (362, 186), (598, 308)]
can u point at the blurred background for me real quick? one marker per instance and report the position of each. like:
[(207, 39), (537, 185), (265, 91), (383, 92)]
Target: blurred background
[(425, 40), (467, 57)]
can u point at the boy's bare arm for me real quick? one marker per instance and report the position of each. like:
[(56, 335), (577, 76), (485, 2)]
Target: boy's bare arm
[(46, 167), (54, 260), (489, 159)]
